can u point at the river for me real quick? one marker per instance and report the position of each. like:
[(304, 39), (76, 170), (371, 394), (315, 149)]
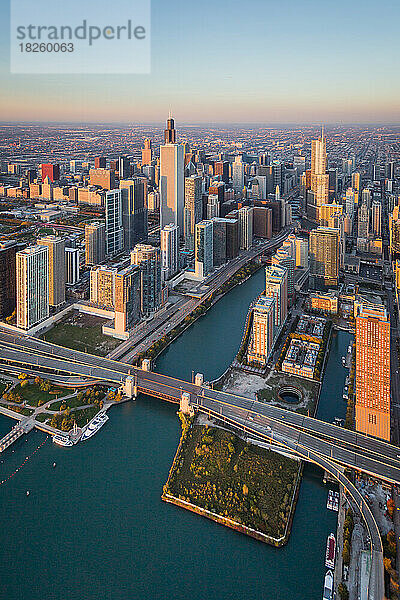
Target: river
[(94, 526)]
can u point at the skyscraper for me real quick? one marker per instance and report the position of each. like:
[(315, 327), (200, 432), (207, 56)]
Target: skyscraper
[(212, 206), (56, 257), (262, 334), (147, 153), (363, 228), (204, 248), (170, 132), (276, 286), (149, 260), (193, 208), (8, 274), (377, 218), (95, 242), (319, 176), (32, 286), (169, 251), (114, 230), (172, 169), (134, 211), (324, 257), (104, 178), (283, 258), (71, 266), (246, 227), (51, 171), (238, 174), (372, 408), (127, 299)]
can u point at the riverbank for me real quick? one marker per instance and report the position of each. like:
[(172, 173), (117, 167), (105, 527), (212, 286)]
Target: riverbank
[(245, 487), (240, 277)]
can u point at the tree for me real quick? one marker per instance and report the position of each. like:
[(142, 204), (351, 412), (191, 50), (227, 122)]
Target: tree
[(390, 507), (343, 591), (346, 552)]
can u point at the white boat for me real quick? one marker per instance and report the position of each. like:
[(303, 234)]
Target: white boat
[(62, 441), (94, 426), (328, 586)]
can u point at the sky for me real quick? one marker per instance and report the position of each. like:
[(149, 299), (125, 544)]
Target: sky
[(263, 61)]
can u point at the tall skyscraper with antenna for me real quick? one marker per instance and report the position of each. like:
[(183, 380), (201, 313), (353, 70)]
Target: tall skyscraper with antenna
[(172, 187), (319, 176)]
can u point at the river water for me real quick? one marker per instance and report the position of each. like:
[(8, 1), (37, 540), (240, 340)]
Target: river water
[(94, 526)]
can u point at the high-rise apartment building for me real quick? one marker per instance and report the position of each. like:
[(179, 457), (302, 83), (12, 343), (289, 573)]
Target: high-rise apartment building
[(220, 240), (276, 286), (302, 253), (212, 206), (95, 243), (134, 211), (114, 231), (127, 299), (148, 259), (324, 257), (204, 248), (32, 286), (172, 189), (169, 251), (283, 258), (263, 329), (71, 266), (192, 209), (56, 255), (372, 407), (245, 227), (102, 286), (8, 277)]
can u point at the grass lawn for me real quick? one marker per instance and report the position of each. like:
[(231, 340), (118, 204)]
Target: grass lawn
[(3, 387), (32, 394), (218, 471), (81, 332), (83, 416), (43, 417), (70, 403)]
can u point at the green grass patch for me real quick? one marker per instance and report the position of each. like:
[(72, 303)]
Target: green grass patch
[(217, 471), (81, 332), (34, 396), (43, 417), (69, 403)]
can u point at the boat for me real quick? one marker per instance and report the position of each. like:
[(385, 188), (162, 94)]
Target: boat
[(328, 586), (54, 465), (27, 492), (94, 426), (330, 552), (62, 441), (333, 501)]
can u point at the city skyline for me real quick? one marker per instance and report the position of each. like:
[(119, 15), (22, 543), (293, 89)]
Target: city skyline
[(281, 64)]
